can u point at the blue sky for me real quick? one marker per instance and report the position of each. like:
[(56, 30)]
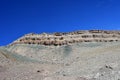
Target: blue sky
[(18, 17)]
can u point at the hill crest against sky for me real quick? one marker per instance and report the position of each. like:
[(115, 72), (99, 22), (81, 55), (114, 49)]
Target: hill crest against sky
[(18, 17), (66, 38)]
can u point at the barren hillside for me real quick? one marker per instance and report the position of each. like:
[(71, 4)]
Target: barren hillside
[(62, 56), (69, 38)]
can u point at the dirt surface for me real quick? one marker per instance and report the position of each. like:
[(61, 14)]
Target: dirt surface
[(79, 61)]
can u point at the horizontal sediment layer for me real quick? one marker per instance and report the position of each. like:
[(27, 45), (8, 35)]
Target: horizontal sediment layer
[(70, 37)]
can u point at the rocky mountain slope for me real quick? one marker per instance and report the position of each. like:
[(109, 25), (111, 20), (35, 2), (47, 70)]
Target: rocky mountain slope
[(30, 58), (70, 37)]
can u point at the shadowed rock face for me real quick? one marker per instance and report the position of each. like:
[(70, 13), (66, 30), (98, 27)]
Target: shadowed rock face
[(70, 37)]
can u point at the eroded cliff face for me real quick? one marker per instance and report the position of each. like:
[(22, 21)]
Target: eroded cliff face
[(70, 37)]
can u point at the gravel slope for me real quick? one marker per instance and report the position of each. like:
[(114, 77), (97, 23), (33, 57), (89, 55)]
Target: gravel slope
[(80, 61)]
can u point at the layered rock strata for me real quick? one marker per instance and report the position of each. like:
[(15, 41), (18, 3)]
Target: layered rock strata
[(70, 37)]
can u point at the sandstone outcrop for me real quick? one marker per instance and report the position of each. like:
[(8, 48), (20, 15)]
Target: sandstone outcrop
[(70, 37)]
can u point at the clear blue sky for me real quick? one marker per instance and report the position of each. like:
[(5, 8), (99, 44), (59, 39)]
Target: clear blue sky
[(18, 17)]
